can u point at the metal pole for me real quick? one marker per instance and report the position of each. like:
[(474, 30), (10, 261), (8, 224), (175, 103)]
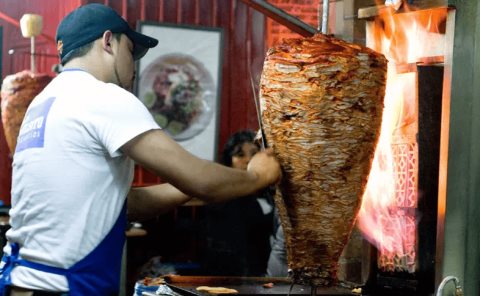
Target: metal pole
[(280, 16), (319, 17), (325, 16), (32, 54)]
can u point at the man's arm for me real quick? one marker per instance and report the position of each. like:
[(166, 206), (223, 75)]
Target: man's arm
[(150, 201), (206, 180)]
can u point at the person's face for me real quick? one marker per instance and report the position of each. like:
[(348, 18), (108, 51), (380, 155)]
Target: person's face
[(242, 157), (124, 65)]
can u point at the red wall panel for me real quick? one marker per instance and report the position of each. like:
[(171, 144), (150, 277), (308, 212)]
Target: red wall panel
[(244, 48)]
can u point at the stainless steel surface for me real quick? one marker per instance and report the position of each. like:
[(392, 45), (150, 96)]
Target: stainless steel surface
[(277, 289), (373, 11), (252, 285)]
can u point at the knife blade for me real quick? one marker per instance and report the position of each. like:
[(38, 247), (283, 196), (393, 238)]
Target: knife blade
[(182, 291), (259, 114)]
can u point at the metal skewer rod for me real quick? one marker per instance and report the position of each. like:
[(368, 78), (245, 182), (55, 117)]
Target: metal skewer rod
[(291, 288), (32, 54), (326, 5), (313, 290)]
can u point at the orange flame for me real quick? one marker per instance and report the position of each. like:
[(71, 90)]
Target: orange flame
[(408, 37), (387, 217)]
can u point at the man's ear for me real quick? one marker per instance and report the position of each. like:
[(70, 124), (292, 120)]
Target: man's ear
[(107, 39)]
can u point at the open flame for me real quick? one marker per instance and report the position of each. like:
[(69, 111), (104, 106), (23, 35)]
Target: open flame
[(388, 217)]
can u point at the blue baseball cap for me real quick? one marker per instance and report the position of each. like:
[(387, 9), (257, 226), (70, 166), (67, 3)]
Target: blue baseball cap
[(88, 23)]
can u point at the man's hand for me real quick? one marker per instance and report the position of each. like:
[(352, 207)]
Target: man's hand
[(266, 167)]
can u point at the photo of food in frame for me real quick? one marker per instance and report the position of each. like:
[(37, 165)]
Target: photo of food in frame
[(179, 92), (179, 83)]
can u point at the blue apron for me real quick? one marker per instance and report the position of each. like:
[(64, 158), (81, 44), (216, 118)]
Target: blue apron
[(96, 274)]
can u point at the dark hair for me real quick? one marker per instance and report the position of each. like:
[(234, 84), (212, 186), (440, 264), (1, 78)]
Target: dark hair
[(234, 144), (78, 52), (83, 50)]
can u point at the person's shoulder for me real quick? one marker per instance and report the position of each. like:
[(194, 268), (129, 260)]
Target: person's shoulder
[(86, 82), (73, 82), (115, 89), (111, 93)]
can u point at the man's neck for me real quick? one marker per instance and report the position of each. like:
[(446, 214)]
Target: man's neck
[(91, 65)]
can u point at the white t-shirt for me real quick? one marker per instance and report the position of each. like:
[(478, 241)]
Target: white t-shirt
[(70, 179)]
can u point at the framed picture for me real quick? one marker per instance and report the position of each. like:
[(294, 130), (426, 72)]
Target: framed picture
[(179, 82)]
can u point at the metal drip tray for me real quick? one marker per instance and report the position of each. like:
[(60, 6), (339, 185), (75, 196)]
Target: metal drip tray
[(252, 285)]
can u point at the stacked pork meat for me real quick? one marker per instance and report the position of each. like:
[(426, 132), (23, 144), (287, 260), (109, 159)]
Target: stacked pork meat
[(321, 102), (18, 91)]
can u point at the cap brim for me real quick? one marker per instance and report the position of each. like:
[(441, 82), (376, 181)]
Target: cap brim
[(142, 43)]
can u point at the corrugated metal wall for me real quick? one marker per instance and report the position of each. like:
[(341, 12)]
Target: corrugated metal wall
[(244, 46)]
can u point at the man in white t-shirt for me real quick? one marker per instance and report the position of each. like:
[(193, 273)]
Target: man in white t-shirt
[(73, 165)]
